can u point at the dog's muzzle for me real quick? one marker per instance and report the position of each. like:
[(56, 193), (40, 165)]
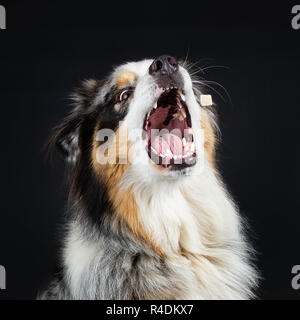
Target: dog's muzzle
[(164, 71), (168, 134)]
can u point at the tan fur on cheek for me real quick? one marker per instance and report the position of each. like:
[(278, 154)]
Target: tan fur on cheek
[(124, 79), (123, 201), (117, 107), (209, 137)]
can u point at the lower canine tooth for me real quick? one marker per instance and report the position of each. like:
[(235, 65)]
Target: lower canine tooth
[(182, 97), (155, 106)]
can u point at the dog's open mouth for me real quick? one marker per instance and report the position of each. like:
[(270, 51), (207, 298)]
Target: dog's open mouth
[(168, 135)]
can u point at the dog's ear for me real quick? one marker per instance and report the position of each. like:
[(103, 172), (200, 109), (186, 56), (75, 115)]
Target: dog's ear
[(65, 136)]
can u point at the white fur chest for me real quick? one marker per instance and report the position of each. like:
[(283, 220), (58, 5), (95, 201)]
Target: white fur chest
[(197, 226)]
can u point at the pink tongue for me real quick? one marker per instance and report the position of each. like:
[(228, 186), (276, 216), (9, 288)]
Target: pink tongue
[(162, 144)]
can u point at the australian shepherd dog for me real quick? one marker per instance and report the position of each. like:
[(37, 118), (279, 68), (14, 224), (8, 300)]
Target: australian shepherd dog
[(149, 216)]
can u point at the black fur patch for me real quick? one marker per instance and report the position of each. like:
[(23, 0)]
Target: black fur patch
[(73, 137)]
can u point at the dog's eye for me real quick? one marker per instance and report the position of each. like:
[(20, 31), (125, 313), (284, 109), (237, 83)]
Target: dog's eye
[(124, 94)]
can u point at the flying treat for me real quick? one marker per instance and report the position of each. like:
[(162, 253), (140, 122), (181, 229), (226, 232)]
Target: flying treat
[(206, 100)]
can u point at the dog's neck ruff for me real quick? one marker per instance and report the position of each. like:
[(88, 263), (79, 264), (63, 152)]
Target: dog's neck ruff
[(203, 252)]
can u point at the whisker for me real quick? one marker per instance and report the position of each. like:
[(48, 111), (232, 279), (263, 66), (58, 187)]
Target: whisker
[(192, 65), (218, 84), (210, 87), (194, 70), (186, 57)]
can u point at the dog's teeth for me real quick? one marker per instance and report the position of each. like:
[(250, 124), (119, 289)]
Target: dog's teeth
[(184, 142), (178, 116), (155, 106), (162, 155), (183, 113), (182, 97)]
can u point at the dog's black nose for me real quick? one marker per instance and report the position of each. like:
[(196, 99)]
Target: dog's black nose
[(163, 65)]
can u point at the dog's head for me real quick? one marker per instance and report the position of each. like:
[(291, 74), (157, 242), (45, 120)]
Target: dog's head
[(145, 115)]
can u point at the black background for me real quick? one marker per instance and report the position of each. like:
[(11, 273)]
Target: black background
[(49, 47)]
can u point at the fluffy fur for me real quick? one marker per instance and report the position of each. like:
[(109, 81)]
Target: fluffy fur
[(137, 231)]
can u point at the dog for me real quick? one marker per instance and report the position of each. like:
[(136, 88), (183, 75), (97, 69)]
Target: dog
[(149, 216)]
